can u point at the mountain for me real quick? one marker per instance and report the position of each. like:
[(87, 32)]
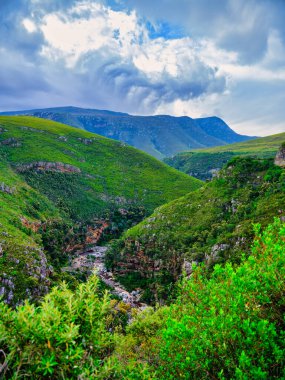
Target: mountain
[(213, 224), (205, 163), (158, 136), (61, 189)]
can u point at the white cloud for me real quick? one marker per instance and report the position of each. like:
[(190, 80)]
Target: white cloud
[(95, 27), (29, 25)]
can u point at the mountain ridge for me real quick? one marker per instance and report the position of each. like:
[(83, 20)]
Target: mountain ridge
[(159, 135)]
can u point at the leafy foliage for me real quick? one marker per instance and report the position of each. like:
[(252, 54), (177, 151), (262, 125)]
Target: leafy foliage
[(66, 335), (228, 326)]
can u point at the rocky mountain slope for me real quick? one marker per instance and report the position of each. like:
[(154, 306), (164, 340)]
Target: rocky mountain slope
[(205, 163), (159, 136), (213, 224), (61, 189)]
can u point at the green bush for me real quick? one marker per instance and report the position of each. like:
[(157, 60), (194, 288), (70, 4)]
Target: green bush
[(67, 335), (230, 326)]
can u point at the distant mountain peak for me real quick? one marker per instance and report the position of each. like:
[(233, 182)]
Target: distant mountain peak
[(158, 135)]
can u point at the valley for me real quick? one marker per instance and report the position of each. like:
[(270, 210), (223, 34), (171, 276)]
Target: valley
[(142, 216), (64, 189), (93, 261), (113, 265)]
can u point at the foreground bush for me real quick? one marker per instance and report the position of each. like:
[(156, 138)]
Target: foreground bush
[(230, 326), (67, 335)]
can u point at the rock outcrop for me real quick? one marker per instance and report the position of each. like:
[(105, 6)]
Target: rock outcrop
[(11, 141), (7, 189), (34, 226), (30, 277), (85, 141), (280, 156), (48, 166)]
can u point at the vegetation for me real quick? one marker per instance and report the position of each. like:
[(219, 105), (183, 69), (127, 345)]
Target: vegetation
[(204, 163), (57, 183), (211, 262), (212, 225), (228, 326), (158, 136)]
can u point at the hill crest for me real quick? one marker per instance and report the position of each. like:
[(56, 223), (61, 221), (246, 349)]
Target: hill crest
[(159, 136)]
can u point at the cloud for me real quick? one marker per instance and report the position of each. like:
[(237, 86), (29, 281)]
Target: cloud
[(184, 57), (111, 51), (241, 26)]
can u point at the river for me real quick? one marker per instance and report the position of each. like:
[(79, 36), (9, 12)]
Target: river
[(93, 260)]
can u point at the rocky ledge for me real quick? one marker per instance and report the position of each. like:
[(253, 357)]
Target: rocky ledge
[(7, 189), (280, 156), (48, 166)]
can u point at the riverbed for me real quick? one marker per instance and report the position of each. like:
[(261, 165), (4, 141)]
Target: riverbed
[(93, 260)]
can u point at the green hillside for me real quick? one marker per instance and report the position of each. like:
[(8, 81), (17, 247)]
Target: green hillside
[(203, 163), (159, 135), (57, 185), (212, 225)]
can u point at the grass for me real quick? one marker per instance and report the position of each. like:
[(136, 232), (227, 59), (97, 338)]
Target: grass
[(201, 162), (49, 203)]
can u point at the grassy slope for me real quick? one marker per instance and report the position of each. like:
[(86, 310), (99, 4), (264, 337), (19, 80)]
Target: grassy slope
[(108, 168), (199, 162), (22, 203), (213, 223), (112, 176), (262, 145)]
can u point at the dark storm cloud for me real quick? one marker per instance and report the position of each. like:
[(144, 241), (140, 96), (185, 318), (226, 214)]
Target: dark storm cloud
[(133, 88), (125, 78)]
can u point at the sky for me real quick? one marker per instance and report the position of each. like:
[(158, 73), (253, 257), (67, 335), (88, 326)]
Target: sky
[(180, 57)]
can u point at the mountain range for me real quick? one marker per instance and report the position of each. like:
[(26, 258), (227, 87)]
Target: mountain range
[(159, 136)]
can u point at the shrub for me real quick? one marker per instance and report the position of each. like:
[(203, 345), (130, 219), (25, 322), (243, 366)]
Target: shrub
[(231, 326), (67, 335)]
